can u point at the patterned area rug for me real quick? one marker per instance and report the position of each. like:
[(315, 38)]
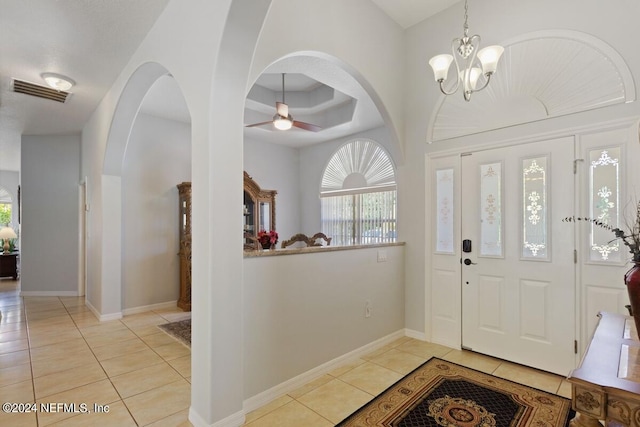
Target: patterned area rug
[(441, 393), (179, 330)]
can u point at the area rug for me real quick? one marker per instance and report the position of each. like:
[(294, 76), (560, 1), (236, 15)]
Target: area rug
[(441, 393), (179, 330)]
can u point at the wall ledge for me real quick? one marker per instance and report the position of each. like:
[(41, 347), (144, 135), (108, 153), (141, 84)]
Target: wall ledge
[(314, 249)]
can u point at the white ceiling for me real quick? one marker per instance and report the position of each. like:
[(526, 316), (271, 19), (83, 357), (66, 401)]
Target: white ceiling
[(90, 41)]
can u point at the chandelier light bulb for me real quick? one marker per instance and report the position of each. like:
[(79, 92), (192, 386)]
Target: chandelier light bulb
[(282, 123), (440, 65)]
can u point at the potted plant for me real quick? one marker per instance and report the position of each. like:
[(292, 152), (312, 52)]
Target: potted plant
[(268, 240)]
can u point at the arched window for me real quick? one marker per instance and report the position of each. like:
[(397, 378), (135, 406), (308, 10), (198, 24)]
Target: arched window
[(358, 195), (5, 208)]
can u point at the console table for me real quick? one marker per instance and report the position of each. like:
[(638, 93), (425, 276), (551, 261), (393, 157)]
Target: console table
[(606, 384), (9, 265)]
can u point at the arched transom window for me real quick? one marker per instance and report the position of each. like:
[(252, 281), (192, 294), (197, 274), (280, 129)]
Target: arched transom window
[(358, 195)]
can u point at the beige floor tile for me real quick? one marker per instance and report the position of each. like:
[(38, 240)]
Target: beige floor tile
[(117, 416), (43, 339), (73, 301), (104, 328), (565, 389), (14, 326), (386, 348), (47, 314), (158, 339), (18, 420), (19, 334), (59, 349), (62, 362), (14, 358), (372, 378), (182, 365), (269, 407), (67, 380), (86, 321), (96, 393), (110, 338), (335, 400), (18, 392), (129, 346), (159, 403), (130, 362), (293, 414), (347, 367), (528, 376), (172, 351), (423, 349), (398, 361), (312, 385), (181, 419), (15, 374), (52, 325), (145, 379), (11, 346), (476, 361)]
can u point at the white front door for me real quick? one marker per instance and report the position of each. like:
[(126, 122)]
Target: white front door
[(518, 284)]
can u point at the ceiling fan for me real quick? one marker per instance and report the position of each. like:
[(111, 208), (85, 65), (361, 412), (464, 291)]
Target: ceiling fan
[(282, 120)]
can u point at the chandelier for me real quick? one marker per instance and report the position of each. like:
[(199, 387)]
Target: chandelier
[(471, 63)]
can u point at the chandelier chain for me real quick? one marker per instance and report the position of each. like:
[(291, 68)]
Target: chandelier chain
[(466, 18)]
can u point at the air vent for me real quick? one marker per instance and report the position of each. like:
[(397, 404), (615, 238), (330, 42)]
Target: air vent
[(20, 86)]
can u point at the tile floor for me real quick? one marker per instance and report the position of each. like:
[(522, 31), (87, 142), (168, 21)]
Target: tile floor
[(54, 350)]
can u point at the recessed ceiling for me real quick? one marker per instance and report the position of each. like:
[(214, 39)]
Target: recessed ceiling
[(409, 12)]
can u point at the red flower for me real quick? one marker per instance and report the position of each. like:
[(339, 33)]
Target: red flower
[(267, 239)]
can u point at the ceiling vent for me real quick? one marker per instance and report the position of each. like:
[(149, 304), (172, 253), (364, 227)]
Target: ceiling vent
[(20, 86)]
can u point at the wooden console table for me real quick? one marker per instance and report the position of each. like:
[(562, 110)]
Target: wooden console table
[(9, 265), (606, 385)]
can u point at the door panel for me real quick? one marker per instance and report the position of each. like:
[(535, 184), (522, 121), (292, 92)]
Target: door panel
[(518, 290)]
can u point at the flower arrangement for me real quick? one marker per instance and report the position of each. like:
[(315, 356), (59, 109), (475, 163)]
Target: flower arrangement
[(267, 239), (630, 238)]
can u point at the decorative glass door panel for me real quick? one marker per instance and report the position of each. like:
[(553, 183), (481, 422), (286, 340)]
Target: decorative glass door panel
[(534, 209), (491, 209), (444, 209), (604, 189)]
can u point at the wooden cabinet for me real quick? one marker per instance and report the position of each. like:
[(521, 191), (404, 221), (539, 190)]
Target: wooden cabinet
[(184, 197), (259, 211), (9, 265)]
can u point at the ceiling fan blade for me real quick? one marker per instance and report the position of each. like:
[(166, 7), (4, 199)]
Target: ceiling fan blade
[(307, 126), (259, 124), (283, 109)]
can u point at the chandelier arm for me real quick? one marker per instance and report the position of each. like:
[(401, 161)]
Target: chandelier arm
[(486, 83), (444, 91)]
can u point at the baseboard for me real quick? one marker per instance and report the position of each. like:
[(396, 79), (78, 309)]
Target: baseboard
[(294, 383), (415, 334), (233, 420), (145, 308), (48, 293), (103, 317)]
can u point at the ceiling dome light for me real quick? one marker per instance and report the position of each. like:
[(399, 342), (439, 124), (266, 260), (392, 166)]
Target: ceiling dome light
[(57, 81), (282, 123)]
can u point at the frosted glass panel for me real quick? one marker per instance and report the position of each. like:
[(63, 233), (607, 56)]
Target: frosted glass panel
[(604, 203), (534, 208), (444, 227), (491, 209)]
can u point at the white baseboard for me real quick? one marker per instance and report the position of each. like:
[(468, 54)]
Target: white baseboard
[(294, 383), (103, 317), (145, 308), (233, 420), (48, 293), (415, 334)]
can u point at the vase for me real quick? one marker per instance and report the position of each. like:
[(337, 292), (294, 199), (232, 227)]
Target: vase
[(632, 280)]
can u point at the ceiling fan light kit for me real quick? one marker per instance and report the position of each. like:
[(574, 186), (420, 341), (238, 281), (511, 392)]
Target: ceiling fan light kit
[(471, 63), (282, 120)]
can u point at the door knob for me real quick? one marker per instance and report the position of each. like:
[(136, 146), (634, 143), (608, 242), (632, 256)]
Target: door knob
[(467, 261)]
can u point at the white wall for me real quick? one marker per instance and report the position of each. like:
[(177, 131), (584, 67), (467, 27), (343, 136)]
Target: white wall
[(50, 167), (9, 180), (158, 158), (303, 310), (276, 167)]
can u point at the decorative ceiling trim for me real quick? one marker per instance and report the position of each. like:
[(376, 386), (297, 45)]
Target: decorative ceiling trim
[(542, 75)]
